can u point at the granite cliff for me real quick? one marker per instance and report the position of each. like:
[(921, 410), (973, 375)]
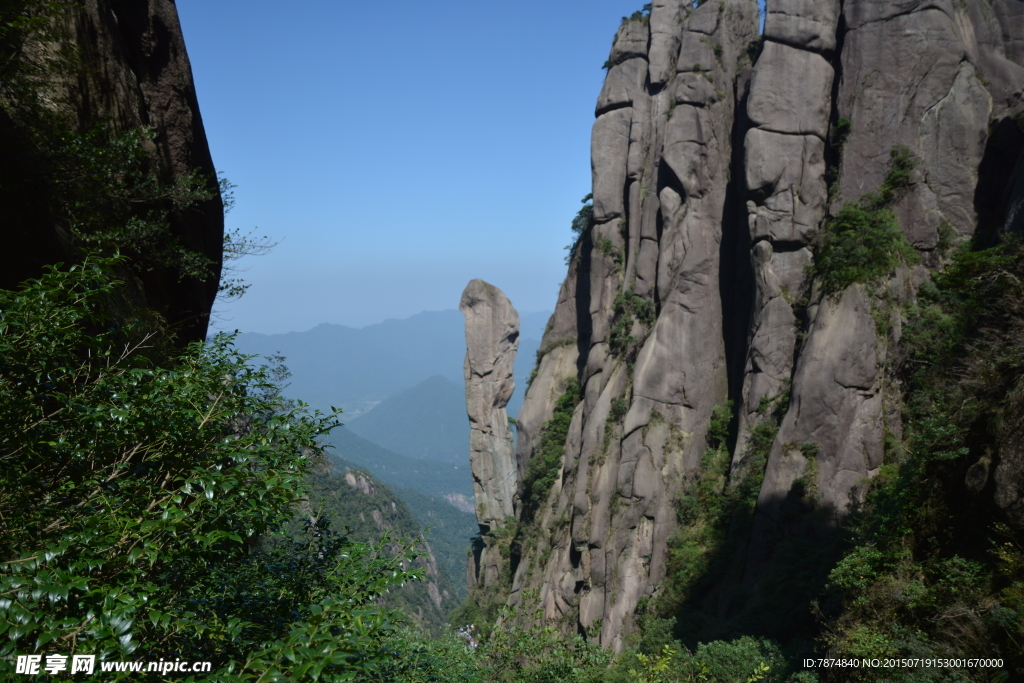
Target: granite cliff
[(492, 338), (106, 68), (697, 323)]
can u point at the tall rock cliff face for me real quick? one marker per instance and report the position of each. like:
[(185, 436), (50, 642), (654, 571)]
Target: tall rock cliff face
[(718, 157), (134, 73), (492, 338)]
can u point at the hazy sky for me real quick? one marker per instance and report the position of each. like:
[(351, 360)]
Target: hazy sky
[(397, 150)]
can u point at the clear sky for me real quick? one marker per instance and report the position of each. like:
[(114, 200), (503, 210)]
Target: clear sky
[(398, 150)]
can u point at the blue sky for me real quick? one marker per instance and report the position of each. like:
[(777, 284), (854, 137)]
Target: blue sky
[(397, 150)]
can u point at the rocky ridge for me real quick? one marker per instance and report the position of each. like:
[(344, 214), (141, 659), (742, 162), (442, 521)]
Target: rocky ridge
[(718, 156)]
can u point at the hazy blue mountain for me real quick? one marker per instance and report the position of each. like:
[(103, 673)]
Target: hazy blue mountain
[(428, 421), (452, 482), (354, 369)]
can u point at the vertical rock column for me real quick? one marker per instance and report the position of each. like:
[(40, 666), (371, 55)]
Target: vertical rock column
[(492, 338), (651, 356), (789, 106)]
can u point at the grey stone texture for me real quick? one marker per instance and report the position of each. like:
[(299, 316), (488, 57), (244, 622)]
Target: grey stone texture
[(699, 155), (492, 338), (661, 153), (804, 24), (791, 91)]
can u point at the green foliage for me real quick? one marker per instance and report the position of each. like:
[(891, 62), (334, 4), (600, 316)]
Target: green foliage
[(447, 529), (367, 514), (606, 248), (860, 244), (546, 463), (754, 49), (933, 572), (643, 14), (100, 185), (630, 307), (837, 141), (135, 489), (619, 408), (582, 222), (841, 131), (718, 430), (743, 660), (863, 242), (430, 477), (541, 654), (625, 57), (715, 512), (900, 176)]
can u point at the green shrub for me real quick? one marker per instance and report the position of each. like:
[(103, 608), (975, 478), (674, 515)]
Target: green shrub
[(546, 463), (629, 307), (739, 659), (863, 242), (136, 488), (860, 244)]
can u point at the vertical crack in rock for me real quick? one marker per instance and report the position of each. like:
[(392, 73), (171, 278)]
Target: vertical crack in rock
[(925, 75), (711, 187), (647, 345), (492, 338), (789, 107)]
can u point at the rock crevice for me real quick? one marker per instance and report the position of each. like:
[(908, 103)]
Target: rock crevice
[(715, 171)]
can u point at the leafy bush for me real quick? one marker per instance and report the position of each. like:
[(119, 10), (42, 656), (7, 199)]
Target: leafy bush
[(860, 244), (135, 488), (933, 572), (863, 242), (630, 307), (581, 223), (543, 468)]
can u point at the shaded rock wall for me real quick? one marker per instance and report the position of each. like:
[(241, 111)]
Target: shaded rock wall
[(711, 184), (135, 73)]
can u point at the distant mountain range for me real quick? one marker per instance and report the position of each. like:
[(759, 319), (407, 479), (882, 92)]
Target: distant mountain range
[(355, 369), (428, 421), (451, 482), (401, 387)]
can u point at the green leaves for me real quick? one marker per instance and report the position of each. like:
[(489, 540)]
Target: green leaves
[(128, 490), (863, 242), (543, 468)]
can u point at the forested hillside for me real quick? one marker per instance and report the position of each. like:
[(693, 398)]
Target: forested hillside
[(364, 510), (450, 482)]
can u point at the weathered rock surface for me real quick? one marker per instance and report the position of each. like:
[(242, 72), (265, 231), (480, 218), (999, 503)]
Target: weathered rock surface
[(137, 73), (805, 24), (661, 159), (692, 287), (492, 338)]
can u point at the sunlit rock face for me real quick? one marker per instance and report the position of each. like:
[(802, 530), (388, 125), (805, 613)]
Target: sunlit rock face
[(492, 338), (717, 158)]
